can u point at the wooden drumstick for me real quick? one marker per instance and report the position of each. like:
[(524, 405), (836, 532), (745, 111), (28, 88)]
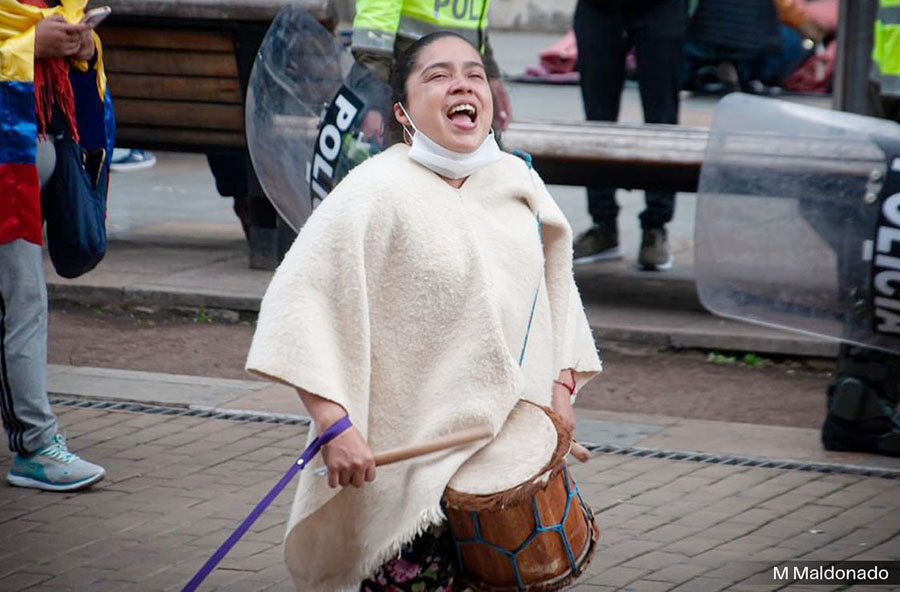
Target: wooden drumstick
[(580, 452), (459, 438)]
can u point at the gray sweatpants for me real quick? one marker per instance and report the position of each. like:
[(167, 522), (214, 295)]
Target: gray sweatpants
[(29, 422)]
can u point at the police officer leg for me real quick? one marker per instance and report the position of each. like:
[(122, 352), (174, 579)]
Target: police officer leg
[(862, 403), (659, 31), (602, 47)]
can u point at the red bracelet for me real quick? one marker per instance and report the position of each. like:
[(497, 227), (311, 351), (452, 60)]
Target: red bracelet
[(571, 389)]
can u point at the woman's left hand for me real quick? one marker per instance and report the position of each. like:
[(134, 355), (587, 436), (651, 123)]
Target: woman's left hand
[(562, 404)]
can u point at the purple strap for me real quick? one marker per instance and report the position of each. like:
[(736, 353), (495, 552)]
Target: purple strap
[(336, 429)]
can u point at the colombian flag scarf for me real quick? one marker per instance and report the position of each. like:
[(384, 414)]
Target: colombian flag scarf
[(29, 90)]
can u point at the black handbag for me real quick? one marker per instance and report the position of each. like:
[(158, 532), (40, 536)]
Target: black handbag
[(75, 208)]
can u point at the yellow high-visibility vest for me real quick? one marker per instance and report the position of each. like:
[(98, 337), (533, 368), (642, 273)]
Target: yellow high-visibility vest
[(886, 49), (378, 22)]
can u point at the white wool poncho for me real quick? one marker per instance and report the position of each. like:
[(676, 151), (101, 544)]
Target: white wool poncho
[(407, 301)]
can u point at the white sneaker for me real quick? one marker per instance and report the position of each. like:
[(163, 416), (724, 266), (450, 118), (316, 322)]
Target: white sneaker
[(54, 468), (131, 159)]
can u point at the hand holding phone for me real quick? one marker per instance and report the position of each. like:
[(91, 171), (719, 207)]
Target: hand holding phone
[(55, 38), (95, 16)]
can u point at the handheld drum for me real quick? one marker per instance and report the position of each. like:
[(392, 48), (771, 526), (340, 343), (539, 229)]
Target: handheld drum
[(515, 512)]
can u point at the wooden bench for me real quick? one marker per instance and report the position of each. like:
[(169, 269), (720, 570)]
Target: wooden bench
[(178, 72), (651, 156), (654, 156), (178, 69)]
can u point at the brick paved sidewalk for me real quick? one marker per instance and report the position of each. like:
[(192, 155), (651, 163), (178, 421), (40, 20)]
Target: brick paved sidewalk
[(177, 486)]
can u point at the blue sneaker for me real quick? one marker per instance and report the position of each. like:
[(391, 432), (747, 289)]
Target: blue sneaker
[(131, 159), (54, 468)]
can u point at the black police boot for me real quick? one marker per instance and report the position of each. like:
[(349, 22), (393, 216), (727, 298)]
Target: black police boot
[(862, 400)]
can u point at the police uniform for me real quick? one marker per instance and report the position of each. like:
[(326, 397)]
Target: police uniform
[(383, 29), (864, 394)]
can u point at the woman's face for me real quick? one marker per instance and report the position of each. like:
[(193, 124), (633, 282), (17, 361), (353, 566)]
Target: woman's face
[(448, 96)]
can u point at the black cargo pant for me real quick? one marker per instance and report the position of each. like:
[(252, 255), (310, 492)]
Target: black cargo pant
[(605, 31)]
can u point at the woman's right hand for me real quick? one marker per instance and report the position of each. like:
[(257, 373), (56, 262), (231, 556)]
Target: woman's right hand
[(54, 37), (349, 460)]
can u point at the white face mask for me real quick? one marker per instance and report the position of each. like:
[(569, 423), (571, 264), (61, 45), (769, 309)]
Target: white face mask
[(447, 163)]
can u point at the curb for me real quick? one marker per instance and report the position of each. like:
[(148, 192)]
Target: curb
[(167, 299), (672, 293), (624, 287), (681, 339)]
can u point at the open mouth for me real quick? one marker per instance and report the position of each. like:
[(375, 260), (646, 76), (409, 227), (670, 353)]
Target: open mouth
[(463, 115)]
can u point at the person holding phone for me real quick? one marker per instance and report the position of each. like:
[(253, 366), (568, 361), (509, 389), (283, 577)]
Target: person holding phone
[(49, 59)]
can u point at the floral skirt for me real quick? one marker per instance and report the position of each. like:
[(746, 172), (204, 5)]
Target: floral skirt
[(427, 564)]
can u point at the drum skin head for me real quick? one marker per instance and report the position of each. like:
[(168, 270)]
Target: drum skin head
[(520, 453)]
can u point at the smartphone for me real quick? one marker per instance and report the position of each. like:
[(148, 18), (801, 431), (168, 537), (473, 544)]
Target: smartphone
[(95, 16)]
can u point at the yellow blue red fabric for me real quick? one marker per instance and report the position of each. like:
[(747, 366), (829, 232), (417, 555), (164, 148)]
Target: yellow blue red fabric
[(20, 203)]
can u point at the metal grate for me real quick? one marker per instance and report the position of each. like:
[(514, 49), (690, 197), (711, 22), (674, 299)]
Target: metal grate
[(633, 451), (746, 461), (192, 411)]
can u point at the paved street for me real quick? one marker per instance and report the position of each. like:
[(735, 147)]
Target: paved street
[(179, 485)]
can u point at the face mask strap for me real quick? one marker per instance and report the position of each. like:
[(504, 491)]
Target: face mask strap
[(406, 131)]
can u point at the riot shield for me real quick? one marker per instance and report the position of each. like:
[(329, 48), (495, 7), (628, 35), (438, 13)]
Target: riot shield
[(311, 114), (798, 220)]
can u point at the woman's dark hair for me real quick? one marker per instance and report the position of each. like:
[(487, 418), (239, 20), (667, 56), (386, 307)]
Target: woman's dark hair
[(402, 68)]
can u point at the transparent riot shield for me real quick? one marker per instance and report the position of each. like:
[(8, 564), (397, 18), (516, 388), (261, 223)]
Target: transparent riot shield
[(311, 114), (798, 220)]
